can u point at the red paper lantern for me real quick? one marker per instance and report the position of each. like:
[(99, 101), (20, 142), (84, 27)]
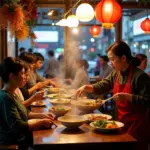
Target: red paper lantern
[(95, 31), (145, 25), (108, 12)]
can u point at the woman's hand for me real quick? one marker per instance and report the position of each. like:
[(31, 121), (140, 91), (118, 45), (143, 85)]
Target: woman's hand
[(39, 85), (47, 123), (123, 96), (50, 82), (38, 96), (53, 83), (46, 116), (83, 89), (35, 124), (36, 87), (80, 91)]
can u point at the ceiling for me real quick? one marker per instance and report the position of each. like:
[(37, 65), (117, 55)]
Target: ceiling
[(62, 2), (130, 7)]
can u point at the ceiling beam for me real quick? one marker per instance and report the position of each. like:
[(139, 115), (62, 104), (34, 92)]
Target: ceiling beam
[(60, 4), (80, 25), (134, 5), (129, 5), (46, 5)]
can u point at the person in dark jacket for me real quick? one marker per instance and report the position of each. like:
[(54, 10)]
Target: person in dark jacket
[(143, 60)]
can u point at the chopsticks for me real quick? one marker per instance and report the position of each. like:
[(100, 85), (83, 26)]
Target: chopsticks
[(54, 123), (104, 101)]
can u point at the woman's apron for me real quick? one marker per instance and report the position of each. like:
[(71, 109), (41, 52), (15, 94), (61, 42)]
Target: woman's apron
[(134, 117)]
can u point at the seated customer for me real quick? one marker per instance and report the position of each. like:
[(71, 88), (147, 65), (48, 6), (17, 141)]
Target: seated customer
[(33, 61), (38, 65), (105, 69), (27, 90), (38, 96), (15, 128), (25, 94), (143, 60), (98, 66), (51, 69), (81, 74)]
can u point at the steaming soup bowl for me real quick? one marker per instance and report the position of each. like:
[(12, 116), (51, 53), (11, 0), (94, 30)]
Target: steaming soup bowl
[(61, 101), (59, 110), (55, 90), (72, 121), (87, 105)]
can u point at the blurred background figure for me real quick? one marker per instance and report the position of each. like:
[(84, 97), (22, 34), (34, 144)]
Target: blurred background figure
[(40, 61), (105, 69), (61, 57), (21, 49), (52, 66), (81, 75), (97, 67), (143, 59), (61, 66), (133, 54), (143, 66), (30, 50)]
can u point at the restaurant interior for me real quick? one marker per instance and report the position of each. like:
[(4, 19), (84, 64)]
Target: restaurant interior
[(82, 113)]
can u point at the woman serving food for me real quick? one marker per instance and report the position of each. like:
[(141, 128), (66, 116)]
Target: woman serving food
[(131, 89)]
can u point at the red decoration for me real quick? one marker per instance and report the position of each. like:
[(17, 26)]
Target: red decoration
[(95, 31), (34, 13), (108, 12), (145, 25), (92, 50), (30, 9)]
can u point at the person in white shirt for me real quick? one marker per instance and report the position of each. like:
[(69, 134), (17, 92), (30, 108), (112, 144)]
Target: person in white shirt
[(81, 75)]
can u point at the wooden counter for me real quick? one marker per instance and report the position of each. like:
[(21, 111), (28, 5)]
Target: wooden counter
[(83, 138)]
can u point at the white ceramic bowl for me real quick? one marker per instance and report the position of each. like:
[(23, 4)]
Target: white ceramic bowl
[(56, 96), (86, 105), (99, 129), (59, 110), (60, 101), (94, 117), (38, 104), (53, 90), (72, 122)]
